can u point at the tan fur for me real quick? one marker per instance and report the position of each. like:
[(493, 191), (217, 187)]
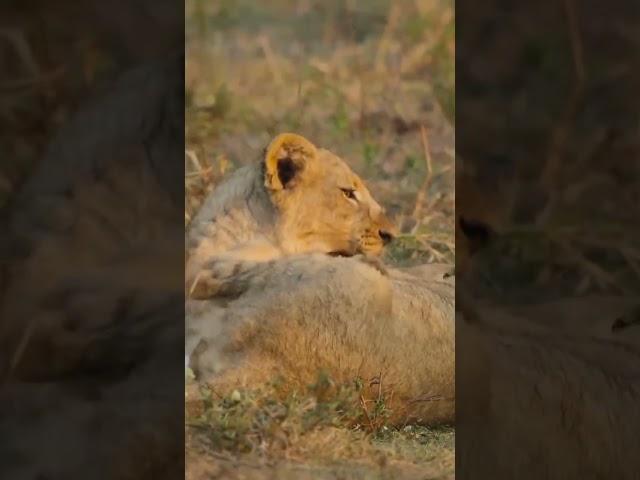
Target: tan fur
[(279, 306), (254, 217), (68, 297), (309, 313), (544, 391), (96, 292), (91, 311), (548, 391)]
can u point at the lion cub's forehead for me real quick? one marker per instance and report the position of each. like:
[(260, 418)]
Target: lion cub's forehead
[(338, 171)]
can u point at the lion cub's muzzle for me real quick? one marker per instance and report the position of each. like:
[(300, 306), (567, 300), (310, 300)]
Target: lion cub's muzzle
[(387, 230), (379, 236), (386, 236)]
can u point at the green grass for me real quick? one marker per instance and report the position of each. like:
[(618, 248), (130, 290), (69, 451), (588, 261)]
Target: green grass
[(324, 425)]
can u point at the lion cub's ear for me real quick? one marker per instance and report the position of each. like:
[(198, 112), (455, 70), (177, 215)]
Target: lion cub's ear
[(284, 159)]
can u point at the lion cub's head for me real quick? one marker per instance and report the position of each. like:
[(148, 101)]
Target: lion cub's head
[(323, 204)]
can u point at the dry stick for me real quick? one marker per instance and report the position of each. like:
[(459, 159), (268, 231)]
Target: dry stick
[(204, 171), (191, 155), (422, 51), (629, 255), (576, 40), (270, 57), (550, 173), (561, 133), (31, 82), (431, 398), (22, 345), (195, 283), (602, 277), (439, 256), (385, 143), (390, 397), (392, 20), (424, 189), (25, 53), (299, 111), (17, 38), (361, 113), (363, 403)]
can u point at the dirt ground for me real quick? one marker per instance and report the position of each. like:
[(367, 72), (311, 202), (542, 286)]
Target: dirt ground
[(204, 465), (373, 81)]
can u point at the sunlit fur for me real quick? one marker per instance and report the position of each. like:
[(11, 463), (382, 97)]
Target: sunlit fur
[(253, 217), (291, 312), (309, 313)]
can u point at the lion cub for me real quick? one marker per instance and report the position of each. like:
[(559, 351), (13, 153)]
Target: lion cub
[(298, 199), (279, 288)]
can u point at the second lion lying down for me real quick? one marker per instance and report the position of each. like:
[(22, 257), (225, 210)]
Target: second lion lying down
[(283, 280)]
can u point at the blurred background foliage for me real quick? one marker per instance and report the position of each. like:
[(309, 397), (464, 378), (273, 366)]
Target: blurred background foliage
[(371, 80)]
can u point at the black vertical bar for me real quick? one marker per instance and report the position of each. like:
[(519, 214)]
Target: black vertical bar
[(92, 305), (547, 370)]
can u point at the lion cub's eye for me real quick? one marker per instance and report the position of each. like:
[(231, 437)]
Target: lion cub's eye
[(349, 193)]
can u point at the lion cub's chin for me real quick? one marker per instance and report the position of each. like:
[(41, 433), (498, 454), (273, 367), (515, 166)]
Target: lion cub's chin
[(352, 253), (341, 253)]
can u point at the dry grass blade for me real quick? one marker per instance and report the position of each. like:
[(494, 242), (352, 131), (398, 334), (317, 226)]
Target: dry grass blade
[(576, 40), (22, 345), (23, 50), (193, 158), (269, 56), (631, 257), (363, 404), (196, 280), (563, 129), (431, 398), (392, 20), (596, 272), (31, 82), (423, 193)]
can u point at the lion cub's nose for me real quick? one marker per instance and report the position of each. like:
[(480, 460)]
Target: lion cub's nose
[(386, 236)]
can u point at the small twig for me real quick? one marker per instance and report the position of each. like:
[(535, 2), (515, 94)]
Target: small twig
[(426, 245), (203, 173), (385, 38), (22, 345), (270, 57), (361, 113), (562, 131), (628, 255), (31, 82), (17, 39), (431, 398), (601, 277), (195, 283), (423, 192), (576, 41), (300, 104), (191, 155), (422, 52), (363, 404)]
